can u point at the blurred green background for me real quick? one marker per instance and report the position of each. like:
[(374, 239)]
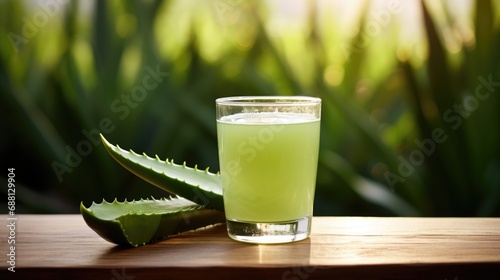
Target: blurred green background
[(410, 94)]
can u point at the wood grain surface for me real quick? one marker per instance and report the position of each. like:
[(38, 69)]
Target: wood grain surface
[(64, 247)]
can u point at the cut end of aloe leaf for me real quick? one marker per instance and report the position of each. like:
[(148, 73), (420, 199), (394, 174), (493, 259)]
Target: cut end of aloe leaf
[(135, 223)]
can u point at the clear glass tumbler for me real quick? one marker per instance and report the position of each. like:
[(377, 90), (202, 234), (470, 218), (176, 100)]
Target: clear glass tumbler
[(268, 154)]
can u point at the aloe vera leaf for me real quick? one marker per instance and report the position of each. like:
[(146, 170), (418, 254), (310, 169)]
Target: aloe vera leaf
[(141, 222), (199, 186)]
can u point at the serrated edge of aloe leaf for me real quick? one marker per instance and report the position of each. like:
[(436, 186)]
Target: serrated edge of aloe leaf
[(157, 178), (152, 199)]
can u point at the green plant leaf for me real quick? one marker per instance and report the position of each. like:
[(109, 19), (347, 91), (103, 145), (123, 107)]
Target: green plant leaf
[(199, 186), (367, 189), (141, 222)]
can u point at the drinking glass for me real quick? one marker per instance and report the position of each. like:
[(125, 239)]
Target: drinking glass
[(268, 153)]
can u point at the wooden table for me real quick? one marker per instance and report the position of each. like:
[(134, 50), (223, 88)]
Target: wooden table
[(64, 247)]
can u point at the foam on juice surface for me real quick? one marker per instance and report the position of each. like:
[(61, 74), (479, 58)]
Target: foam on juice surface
[(268, 118)]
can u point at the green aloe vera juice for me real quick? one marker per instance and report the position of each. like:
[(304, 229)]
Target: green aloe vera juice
[(268, 159)]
